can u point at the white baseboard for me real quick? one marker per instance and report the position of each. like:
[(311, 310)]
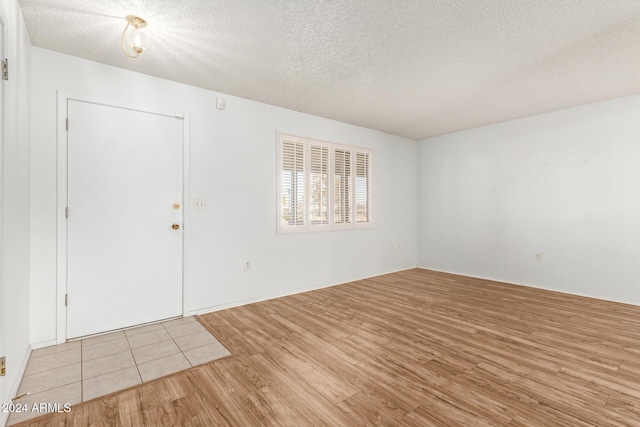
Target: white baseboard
[(252, 300), (43, 344), (534, 286), (279, 295)]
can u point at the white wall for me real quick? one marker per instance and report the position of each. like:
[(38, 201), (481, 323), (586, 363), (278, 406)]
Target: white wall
[(14, 266), (233, 167), (564, 184)]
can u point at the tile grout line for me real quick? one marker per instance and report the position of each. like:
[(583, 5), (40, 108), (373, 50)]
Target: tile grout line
[(170, 339), (135, 362), (194, 333), (176, 344), (154, 343), (81, 373)]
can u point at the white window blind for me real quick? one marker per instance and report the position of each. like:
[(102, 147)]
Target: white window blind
[(323, 185), (319, 184), (342, 181), (293, 200), (363, 187)]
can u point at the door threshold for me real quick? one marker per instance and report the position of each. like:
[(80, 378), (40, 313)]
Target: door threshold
[(84, 337)]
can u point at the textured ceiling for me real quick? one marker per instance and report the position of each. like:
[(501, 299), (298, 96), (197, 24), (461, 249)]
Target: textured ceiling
[(415, 68)]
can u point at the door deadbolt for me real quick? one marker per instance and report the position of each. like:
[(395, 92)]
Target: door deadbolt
[(176, 226), (176, 206)]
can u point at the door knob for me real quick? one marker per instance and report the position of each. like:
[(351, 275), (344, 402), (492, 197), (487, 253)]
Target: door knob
[(176, 206), (176, 226)]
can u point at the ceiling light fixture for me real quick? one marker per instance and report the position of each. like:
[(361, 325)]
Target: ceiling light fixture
[(136, 39)]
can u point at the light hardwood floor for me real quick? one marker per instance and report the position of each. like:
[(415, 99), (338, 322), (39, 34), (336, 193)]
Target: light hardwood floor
[(416, 348)]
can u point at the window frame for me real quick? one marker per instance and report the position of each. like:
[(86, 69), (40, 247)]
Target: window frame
[(308, 226)]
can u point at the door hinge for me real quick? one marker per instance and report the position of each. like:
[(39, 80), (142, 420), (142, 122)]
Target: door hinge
[(66, 300), (66, 212), (3, 366), (67, 124), (5, 69)]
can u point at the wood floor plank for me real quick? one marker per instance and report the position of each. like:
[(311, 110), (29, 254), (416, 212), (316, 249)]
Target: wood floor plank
[(311, 404), (274, 409), (414, 348), (323, 381), (363, 411)]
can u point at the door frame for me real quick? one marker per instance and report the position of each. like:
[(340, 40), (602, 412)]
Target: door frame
[(3, 122), (62, 197)]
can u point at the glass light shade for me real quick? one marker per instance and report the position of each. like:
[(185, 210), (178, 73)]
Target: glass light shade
[(134, 38)]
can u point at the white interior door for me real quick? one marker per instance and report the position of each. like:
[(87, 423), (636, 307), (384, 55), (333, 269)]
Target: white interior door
[(124, 195)]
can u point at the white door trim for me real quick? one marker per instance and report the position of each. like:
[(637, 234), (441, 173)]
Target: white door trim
[(61, 233), (3, 122)]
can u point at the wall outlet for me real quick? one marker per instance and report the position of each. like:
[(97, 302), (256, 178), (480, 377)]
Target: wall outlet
[(247, 264), (3, 366), (538, 257), (198, 204)]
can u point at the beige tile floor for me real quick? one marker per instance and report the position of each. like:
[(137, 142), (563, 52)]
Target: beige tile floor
[(82, 370)]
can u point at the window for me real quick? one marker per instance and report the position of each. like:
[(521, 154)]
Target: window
[(323, 186)]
